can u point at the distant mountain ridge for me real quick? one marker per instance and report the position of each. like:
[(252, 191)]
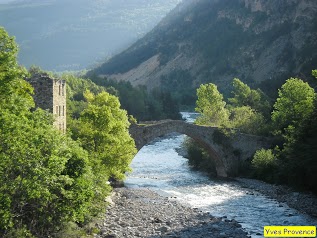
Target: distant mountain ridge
[(72, 35), (260, 41)]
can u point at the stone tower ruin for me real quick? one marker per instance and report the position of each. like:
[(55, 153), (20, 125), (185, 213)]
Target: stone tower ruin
[(50, 94)]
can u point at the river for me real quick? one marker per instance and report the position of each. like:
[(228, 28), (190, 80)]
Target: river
[(159, 167)]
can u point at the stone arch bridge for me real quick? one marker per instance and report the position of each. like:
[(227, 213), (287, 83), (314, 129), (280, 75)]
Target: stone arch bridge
[(227, 149)]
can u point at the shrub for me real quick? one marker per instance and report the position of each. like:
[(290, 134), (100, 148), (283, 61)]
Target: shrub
[(264, 164), (199, 158)]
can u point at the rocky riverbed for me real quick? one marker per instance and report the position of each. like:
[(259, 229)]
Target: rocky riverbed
[(144, 213)]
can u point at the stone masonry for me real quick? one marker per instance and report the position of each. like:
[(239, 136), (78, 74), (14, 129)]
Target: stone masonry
[(227, 149), (50, 94)]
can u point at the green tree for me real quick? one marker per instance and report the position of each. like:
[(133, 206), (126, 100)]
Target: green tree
[(294, 104), (15, 93), (264, 164), (76, 87), (102, 130), (299, 155), (143, 104), (45, 177), (243, 95), (211, 106), (247, 120), (199, 158)]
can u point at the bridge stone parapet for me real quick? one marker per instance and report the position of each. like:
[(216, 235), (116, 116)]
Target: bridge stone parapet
[(227, 149)]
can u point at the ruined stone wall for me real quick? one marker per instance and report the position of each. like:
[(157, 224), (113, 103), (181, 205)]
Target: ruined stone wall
[(43, 93), (59, 104), (50, 94)]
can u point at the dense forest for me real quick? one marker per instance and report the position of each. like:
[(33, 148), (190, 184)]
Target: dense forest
[(144, 105), (292, 118)]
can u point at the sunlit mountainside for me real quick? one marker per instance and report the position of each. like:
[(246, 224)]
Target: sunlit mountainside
[(71, 35)]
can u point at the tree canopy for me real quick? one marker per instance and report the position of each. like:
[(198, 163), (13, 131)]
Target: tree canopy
[(48, 179), (293, 161), (45, 179), (243, 95), (211, 106), (15, 92), (102, 129), (294, 104)]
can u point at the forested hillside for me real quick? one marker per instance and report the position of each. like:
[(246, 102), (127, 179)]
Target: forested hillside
[(261, 42)]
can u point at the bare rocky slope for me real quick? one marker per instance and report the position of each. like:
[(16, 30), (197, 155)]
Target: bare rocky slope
[(262, 42)]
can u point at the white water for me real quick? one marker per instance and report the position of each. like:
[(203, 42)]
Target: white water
[(159, 167)]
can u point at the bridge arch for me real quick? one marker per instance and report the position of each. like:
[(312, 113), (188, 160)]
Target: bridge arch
[(227, 153), (144, 134)]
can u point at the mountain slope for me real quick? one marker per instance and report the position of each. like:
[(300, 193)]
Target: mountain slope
[(71, 35), (260, 41)]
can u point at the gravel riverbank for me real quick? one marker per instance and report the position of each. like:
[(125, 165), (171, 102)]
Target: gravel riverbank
[(143, 213)]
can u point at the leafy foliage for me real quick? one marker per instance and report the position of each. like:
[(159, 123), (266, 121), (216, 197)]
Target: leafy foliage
[(179, 84), (264, 163), (102, 129), (15, 93), (294, 116), (199, 158), (243, 95), (247, 120), (48, 180), (211, 106), (294, 104), (45, 176), (76, 87), (144, 105), (298, 157)]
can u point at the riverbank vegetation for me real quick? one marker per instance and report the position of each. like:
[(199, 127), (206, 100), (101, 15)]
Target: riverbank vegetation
[(53, 184), (292, 118)]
